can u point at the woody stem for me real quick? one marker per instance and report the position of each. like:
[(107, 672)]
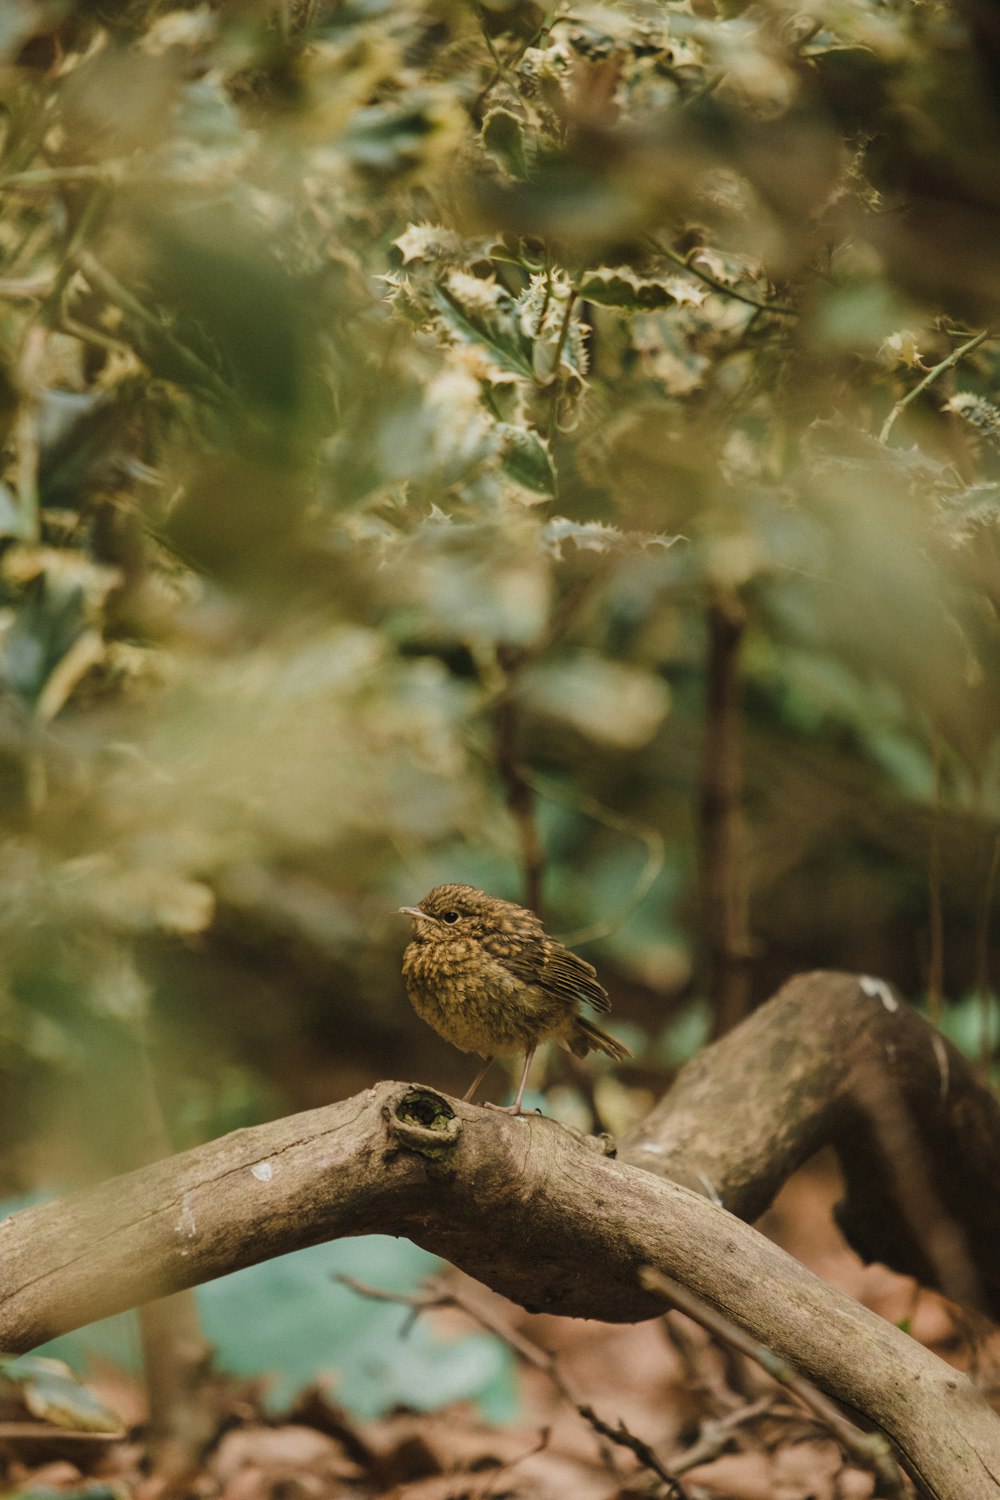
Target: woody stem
[(470, 1091)]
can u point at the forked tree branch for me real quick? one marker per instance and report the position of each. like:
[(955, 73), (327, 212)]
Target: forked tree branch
[(538, 1213)]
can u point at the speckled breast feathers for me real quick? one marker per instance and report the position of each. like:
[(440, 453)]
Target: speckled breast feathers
[(485, 974)]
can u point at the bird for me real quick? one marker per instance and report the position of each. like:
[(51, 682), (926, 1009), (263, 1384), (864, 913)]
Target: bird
[(489, 979)]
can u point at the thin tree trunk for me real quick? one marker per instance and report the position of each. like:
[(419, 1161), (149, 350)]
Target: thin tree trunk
[(520, 793), (176, 1356), (724, 898)]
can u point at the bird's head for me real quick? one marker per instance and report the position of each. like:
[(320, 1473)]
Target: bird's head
[(452, 911)]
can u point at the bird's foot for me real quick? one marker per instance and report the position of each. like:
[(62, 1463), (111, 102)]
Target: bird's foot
[(510, 1109)]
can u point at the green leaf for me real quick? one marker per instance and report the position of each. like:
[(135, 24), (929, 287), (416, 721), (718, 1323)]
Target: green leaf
[(429, 242), (52, 1393), (617, 286), (980, 414), (597, 536), (965, 511), (480, 312), (52, 642), (87, 1490), (47, 625), (13, 523), (526, 458), (503, 138), (549, 312), (389, 139)]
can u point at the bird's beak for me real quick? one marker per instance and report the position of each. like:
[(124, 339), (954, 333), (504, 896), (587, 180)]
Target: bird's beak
[(414, 911)]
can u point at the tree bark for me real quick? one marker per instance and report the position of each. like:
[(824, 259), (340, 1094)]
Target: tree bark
[(542, 1215)]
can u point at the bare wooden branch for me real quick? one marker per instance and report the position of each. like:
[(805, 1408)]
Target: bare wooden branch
[(524, 1204), (540, 1214)]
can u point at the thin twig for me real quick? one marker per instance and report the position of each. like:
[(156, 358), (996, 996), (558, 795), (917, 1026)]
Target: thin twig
[(687, 264), (26, 427), (646, 834), (517, 783), (716, 1434), (643, 1452), (435, 1294), (32, 288), (502, 70), (983, 958), (870, 1450), (498, 62), (501, 669), (722, 825), (107, 172), (95, 336), (715, 1388), (489, 1488), (553, 423), (948, 363), (935, 967), (74, 250), (28, 443)]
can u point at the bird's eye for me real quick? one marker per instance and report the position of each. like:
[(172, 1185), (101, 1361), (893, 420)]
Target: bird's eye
[(449, 917)]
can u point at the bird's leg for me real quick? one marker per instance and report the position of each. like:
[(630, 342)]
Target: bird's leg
[(478, 1079), (515, 1108)]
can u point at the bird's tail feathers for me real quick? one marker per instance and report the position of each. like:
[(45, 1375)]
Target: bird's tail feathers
[(586, 1037)]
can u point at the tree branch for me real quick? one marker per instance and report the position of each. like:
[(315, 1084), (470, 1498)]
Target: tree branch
[(948, 363), (540, 1214)]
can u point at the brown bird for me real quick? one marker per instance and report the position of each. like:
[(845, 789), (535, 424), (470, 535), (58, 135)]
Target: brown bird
[(487, 976)]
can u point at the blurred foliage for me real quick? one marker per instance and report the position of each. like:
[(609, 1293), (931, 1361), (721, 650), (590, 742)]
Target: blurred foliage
[(36, 1386), (383, 379)]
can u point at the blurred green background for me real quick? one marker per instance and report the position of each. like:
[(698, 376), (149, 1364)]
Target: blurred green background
[(551, 448)]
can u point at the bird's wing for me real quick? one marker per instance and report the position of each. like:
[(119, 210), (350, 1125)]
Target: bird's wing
[(566, 970), (548, 964)]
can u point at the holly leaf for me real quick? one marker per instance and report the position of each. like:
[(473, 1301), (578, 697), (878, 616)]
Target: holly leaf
[(480, 312), (527, 459), (503, 138), (617, 286)]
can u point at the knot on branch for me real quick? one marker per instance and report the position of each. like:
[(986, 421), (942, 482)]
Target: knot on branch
[(422, 1121)]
